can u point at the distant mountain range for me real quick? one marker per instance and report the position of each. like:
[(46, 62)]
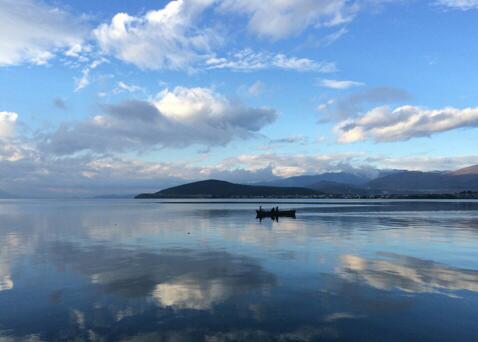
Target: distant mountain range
[(305, 181), (345, 184), (221, 189)]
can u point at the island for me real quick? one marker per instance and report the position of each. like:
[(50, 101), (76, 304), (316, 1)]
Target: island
[(213, 188)]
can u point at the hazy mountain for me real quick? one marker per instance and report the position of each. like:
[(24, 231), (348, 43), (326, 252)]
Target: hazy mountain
[(335, 188), (221, 189), (308, 180), (470, 170), (433, 182)]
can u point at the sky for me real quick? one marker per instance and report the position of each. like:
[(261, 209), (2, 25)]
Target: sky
[(125, 96)]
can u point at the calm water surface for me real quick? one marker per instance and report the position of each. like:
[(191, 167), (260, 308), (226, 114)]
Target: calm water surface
[(126, 270)]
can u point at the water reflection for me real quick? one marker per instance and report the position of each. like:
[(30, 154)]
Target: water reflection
[(179, 278), (393, 271), (134, 271)]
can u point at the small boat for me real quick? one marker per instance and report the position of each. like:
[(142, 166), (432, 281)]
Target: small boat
[(281, 213)]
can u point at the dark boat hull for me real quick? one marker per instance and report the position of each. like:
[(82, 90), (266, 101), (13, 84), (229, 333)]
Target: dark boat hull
[(281, 213)]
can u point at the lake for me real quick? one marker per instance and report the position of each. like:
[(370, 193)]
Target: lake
[(146, 270)]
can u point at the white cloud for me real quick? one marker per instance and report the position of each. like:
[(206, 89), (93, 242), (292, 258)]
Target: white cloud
[(130, 88), (8, 121), (403, 123), (177, 118), (36, 172), (459, 4), (163, 39), (32, 32), (282, 18), (248, 60), (341, 85), (176, 37), (284, 165)]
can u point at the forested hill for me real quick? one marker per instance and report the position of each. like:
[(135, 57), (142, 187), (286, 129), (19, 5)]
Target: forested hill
[(221, 189)]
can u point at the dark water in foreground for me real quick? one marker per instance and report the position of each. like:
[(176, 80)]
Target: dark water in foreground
[(146, 271)]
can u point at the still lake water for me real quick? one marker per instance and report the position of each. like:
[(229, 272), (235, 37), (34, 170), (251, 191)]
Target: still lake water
[(134, 270)]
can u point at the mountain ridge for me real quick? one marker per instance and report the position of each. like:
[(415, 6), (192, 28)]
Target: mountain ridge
[(388, 182), (213, 188)]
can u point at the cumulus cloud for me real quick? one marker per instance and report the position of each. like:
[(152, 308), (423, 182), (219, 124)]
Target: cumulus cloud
[(27, 171), (340, 84), (278, 19), (33, 32), (249, 60), (176, 118), (284, 165), (403, 123), (459, 4), (175, 37), (167, 38), (8, 121), (10, 148)]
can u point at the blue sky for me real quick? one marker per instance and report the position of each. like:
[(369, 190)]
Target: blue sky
[(126, 96)]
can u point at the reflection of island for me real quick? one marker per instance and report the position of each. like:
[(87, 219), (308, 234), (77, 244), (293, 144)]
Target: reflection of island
[(393, 271), (179, 278)]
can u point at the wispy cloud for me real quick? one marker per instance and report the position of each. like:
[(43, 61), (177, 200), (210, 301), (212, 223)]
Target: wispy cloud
[(125, 87), (249, 60), (294, 139), (281, 19), (340, 84), (464, 5), (85, 78), (33, 32)]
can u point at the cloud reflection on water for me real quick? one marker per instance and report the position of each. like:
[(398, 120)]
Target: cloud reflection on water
[(178, 278), (408, 274)]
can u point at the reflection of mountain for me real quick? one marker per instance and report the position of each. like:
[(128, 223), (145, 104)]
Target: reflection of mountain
[(393, 271), (179, 278)]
